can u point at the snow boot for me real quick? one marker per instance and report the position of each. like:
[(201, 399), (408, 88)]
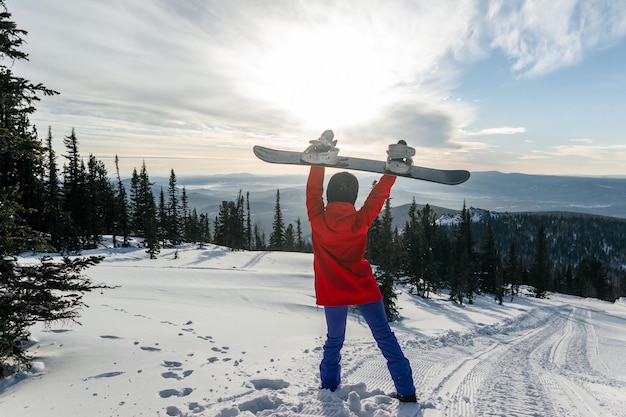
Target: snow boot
[(322, 150), (399, 158)]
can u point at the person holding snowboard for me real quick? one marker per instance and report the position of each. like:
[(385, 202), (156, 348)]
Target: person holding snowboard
[(343, 277)]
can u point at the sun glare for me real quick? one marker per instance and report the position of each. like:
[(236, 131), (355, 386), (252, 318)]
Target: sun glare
[(333, 75)]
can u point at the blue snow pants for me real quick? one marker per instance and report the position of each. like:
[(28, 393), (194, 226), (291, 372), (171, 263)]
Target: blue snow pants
[(374, 315)]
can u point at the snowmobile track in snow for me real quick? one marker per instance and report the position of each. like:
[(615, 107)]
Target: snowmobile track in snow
[(511, 372), (544, 363)]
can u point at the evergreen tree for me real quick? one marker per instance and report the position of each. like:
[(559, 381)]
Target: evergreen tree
[(240, 225), (491, 266), (513, 271), (136, 210), (121, 226), (54, 219), (173, 213), (224, 224), (540, 268), (204, 228), (51, 291), (429, 238), (259, 238), (186, 217), (277, 237), (289, 244), (74, 194), (229, 224), (569, 286), (21, 153), (593, 278), (248, 243), (149, 218), (411, 255), (386, 266), (464, 282), (144, 211), (299, 239), (100, 202), (163, 219)]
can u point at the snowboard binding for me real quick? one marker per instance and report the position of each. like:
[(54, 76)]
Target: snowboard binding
[(399, 158), (322, 151)]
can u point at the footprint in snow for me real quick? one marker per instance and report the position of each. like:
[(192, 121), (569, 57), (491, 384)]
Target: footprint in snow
[(104, 375), (150, 349), (173, 366), (166, 393), (273, 384), (176, 375)]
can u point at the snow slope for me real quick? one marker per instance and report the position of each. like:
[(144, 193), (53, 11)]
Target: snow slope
[(210, 332)]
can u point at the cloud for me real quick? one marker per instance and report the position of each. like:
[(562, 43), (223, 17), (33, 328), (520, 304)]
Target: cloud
[(505, 130), (178, 76), (607, 153), (541, 36), (582, 140)]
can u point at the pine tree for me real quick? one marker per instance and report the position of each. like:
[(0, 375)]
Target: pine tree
[(121, 225), (149, 218), (290, 239), (568, 277), (240, 224), (411, 254), (21, 152), (74, 194), (299, 239), (162, 219), (186, 217), (540, 273), (229, 224), (387, 263), (136, 212), (490, 266), (100, 202), (277, 237), (464, 282), (430, 248), (205, 228), (223, 225), (51, 291), (144, 216), (53, 216), (513, 271), (593, 278), (259, 238), (173, 213), (248, 244)]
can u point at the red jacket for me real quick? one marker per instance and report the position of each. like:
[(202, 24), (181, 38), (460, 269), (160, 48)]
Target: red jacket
[(339, 233)]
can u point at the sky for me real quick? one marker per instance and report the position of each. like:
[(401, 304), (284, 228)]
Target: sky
[(535, 86)]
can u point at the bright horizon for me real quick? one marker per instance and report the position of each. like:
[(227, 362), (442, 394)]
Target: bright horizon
[(535, 87)]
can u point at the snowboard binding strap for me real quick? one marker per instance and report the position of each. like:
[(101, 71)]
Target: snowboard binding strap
[(322, 151), (399, 158)]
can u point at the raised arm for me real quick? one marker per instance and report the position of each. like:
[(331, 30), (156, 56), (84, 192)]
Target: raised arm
[(376, 199), (314, 192)]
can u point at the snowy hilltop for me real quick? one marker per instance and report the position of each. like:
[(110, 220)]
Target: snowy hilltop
[(205, 331)]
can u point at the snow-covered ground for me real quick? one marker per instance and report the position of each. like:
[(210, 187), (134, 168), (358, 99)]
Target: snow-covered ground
[(210, 332)]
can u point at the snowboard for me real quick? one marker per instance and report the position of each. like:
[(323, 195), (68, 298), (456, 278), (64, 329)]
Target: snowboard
[(440, 176)]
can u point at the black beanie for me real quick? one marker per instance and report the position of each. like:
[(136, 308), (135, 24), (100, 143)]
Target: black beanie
[(344, 187)]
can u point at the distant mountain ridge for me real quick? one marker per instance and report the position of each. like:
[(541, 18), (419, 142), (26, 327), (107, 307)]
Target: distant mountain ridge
[(529, 193), (491, 190)]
